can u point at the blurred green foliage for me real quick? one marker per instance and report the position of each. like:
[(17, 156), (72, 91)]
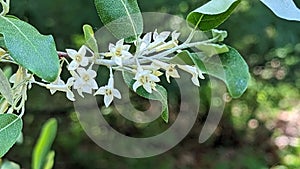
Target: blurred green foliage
[(258, 131)]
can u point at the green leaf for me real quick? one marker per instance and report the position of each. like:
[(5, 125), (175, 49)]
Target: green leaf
[(233, 70), (5, 88), (122, 17), (10, 129), (49, 160), (212, 14), (286, 9), (236, 70), (44, 143), (29, 48), (159, 95), (219, 35), (211, 49), (90, 38), (9, 165), (2, 43)]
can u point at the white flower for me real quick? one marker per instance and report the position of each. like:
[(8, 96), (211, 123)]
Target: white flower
[(84, 81), (79, 58), (169, 68), (20, 76), (146, 79), (59, 85), (159, 39), (109, 92), (119, 52), (196, 73), (145, 42), (170, 44)]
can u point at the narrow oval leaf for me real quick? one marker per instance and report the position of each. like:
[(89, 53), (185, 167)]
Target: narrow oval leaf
[(285, 9), (90, 38), (29, 48), (10, 129), (212, 14), (5, 88), (44, 143), (159, 95), (233, 70), (128, 21)]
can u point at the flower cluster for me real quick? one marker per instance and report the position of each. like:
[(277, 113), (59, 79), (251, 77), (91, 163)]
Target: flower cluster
[(146, 64)]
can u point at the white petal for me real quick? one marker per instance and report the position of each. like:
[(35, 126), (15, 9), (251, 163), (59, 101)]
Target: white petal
[(118, 60), (70, 81), (87, 89), (107, 100), (195, 80), (93, 84), (91, 73), (84, 62), (70, 95), (136, 85), (73, 65), (116, 93), (126, 54), (71, 52), (110, 82), (82, 51), (147, 38), (168, 77), (148, 87), (154, 78), (13, 78), (100, 91), (200, 74), (81, 71), (120, 43), (80, 92), (111, 47)]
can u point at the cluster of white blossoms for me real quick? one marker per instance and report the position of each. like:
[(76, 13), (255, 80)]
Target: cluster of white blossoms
[(146, 64)]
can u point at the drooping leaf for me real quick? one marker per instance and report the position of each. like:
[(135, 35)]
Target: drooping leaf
[(9, 165), (5, 88), (285, 9), (90, 38), (212, 14), (122, 17), (44, 143), (236, 70), (211, 49), (159, 95), (10, 129), (29, 48), (229, 67)]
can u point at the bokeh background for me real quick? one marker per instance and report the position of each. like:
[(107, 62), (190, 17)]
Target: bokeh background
[(260, 130)]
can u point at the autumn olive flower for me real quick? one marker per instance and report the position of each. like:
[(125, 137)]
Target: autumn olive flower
[(109, 92), (119, 52), (85, 81), (169, 68), (79, 58), (59, 85), (195, 72), (146, 79)]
